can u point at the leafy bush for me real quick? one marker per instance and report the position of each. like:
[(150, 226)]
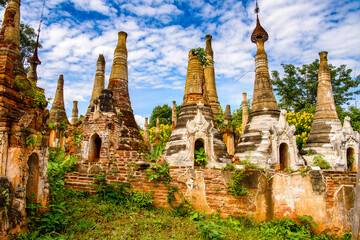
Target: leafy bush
[(200, 157), (142, 199), (202, 56), (321, 162), (229, 167), (236, 188), (302, 121), (159, 172), (211, 230), (165, 132)]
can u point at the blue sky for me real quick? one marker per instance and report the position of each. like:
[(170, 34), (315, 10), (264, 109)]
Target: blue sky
[(160, 34)]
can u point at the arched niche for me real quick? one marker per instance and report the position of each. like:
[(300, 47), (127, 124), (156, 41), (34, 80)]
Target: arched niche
[(95, 147), (350, 157), (199, 143), (32, 184), (284, 156)]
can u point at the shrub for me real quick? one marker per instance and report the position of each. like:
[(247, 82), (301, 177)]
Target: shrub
[(236, 188), (159, 172), (321, 162), (302, 121), (200, 157)]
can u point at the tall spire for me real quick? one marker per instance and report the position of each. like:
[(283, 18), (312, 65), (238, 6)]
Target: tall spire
[(209, 72), (75, 113), (157, 132), (245, 112), (118, 82), (57, 111), (173, 115), (263, 97), (99, 82), (146, 133), (195, 90), (34, 60)]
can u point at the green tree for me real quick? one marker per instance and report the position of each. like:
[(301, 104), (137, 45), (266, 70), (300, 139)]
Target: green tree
[(163, 113), (2, 3), (354, 113), (27, 41), (297, 88)]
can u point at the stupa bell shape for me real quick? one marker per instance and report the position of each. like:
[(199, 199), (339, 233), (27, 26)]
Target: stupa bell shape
[(326, 137), (210, 84), (195, 128), (99, 82), (265, 134)]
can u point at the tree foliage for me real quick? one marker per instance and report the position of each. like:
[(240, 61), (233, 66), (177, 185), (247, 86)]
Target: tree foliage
[(164, 114), (27, 41), (297, 88)]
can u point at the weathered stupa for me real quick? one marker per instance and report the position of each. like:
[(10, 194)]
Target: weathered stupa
[(75, 113), (24, 147), (99, 82), (328, 138), (267, 140), (210, 84), (109, 126), (195, 128), (58, 118)]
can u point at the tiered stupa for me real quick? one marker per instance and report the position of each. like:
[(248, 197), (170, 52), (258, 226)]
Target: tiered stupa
[(328, 138), (109, 125), (195, 128), (267, 140)]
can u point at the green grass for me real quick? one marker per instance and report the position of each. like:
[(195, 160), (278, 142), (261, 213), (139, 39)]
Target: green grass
[(92, 218)]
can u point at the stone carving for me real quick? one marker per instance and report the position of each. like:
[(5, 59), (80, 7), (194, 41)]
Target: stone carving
[(342, 141), (283, 133)]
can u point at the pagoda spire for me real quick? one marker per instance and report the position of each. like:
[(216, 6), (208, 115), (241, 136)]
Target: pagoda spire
[(75, 113), (57, 111), (210, 84), (118, 81), (263, 97), (99, 82)]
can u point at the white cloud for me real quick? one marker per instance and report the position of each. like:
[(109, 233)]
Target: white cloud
[(140, 120), (162, 33)]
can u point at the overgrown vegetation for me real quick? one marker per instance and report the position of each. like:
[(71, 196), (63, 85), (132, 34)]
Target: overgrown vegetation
[(118, 212), (29, 89), (321, 162), (200, 157), (202, 56), (236, 188)]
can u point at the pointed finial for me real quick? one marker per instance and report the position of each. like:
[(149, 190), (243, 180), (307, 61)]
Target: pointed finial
[(257, 9)]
